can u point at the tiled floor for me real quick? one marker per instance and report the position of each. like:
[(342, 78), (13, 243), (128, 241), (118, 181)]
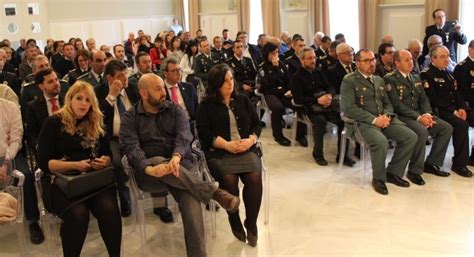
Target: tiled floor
[(316, 212)]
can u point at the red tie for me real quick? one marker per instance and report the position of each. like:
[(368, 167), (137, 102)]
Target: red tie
[(174, 94), (54, 105)]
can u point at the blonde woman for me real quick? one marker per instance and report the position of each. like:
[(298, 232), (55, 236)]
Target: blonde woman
[(74, 139)]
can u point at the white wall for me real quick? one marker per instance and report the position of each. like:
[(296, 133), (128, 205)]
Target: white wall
[(403, 22)]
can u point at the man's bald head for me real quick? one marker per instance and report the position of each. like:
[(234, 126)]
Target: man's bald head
[(403, 61), (149, 79), (152, 91)]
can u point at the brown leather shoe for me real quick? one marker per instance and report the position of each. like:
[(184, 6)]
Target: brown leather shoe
[(228, 201)]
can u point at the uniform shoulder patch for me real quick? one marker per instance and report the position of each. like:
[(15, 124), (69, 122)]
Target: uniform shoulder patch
[(426, 84)]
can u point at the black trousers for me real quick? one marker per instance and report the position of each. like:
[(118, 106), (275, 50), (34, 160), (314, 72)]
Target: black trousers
[(277, 105), (460, 136), (319, 121)]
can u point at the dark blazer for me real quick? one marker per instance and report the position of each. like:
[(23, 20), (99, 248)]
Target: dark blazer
[(90, 78), (9, 67), (101, 93), (256, 54), (74, 75), (36, 114), (63, 66), (11, 80), (335, 74), (24, 69), (212, 120), (188, 92), (307, 86), (450, 38)]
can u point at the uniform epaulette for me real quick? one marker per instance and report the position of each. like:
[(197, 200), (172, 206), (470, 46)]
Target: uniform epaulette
[(462, 62), (64, 81), (28, 84), (289, 58), (425, 69), (83, 76)]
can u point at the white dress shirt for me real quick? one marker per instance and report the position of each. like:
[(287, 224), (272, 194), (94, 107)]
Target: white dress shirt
[(11, 127)]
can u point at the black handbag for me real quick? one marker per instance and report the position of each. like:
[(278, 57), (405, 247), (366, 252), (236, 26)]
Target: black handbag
[(76, 184)]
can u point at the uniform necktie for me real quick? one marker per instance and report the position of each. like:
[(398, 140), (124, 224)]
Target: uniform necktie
[(174, 94), (54, 105), (348, 69), (100, 80), (120, 105), (370, 80), (408, 79)]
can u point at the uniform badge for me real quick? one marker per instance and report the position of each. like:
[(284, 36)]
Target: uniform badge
[(417, 84), (388, 87), (426, 84), (262, 73), (472, 73)]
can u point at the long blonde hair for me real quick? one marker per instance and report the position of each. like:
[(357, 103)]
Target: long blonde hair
[(92, 125)]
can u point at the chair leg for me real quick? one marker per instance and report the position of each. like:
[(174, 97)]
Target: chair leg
[(21, 234), (343, 151), (293, 130), (142, 225), (266, 193)]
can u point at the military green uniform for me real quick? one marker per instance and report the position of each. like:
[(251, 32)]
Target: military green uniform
[(363, 101), (203, 63), (409, 101)]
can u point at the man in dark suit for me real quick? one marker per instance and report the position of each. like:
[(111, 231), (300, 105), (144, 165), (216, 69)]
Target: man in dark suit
[(95, 76), (66, 64), (25, 66), (42, 107), (3, 57), (345, 65), (250, 50), (218, 49), (58, 52), (143, 61), (450, 32), (119, 53), (115, 96), (181, 93), (6, 77)]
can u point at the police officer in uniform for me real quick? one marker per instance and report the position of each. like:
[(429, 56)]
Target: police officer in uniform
[(274, 82), (464, 75), (244, 72), (310, 90), (447, 100), (364, 99), (204, 61), (410, 102), (293, 61)]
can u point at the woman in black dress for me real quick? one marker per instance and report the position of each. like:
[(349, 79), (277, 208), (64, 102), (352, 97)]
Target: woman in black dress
[(228, 128), (74, 139)]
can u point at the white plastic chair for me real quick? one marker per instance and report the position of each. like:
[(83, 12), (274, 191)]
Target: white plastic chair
[(364, 148)]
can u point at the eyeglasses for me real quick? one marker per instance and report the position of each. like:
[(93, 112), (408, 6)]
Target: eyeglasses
[(177, 70), (367, 60)]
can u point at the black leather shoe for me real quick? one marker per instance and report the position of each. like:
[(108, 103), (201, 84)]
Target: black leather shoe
[(165, 214), (320, 160), (347, 161), (415, 178), (394, 179), (36, 234), (125, 206), (379, 187), (462, 171), (435, 170), (283, 141), (302, 141)]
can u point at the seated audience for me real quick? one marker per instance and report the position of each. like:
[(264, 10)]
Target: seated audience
[(204, 61), (95, 76), (228, 128), (156, 139), (157, 53), (364, 99), (81, 62), (187, 63), (25, 67), (10, 120), (119, 53), (6, 76), (66, 64), (385, 60), (74, 139), (174, 49), (243, 70)]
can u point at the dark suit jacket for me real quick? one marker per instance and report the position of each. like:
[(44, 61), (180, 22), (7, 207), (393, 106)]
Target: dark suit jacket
[(9, 67), (256, 54), (101, 93), (188, 92), (36, 114), (450, 38), (24, 69), (335, 74), (12, 81)]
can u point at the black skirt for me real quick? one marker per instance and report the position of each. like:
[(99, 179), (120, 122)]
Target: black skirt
[(235, 163)]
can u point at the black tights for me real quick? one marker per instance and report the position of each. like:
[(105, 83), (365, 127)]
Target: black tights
[(252, 195), (76, 222)]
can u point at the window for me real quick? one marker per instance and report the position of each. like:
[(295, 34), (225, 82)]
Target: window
[(466, 19), (35, 27), (10, 9), (344, 18), (256, 21), (12, 28), (33, 9)]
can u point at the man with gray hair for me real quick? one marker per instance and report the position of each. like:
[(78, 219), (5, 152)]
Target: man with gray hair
[(415, 48), (25, 67), (435, 40), (285, 41), (8, 78), (310, 90), (447, 100), (90, 43), (344, 66), (317, 40)]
